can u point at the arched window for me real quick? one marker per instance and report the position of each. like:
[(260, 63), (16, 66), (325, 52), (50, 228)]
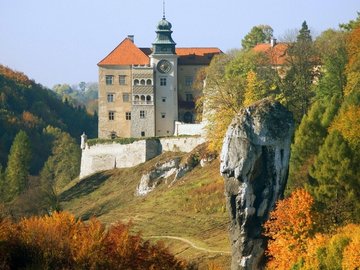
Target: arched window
[(142, 98), (149, 82), (136, 82), (148, 99), (136, 98), (142, 82)]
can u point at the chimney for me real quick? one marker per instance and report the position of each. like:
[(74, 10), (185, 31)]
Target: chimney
[(131, 37), (273, 42)]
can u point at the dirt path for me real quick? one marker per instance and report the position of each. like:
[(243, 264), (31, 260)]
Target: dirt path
[(192, 244)]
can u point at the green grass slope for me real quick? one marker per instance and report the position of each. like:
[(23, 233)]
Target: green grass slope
[(189, 216)]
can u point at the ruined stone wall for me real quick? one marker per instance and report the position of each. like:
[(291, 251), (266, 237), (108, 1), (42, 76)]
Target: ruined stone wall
[(102, 157)]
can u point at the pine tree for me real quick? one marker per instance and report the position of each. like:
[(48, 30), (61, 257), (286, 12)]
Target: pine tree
[(17, 171), (336, 177)]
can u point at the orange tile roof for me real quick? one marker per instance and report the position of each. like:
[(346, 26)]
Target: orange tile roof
[(277, 54), (126, 53), (197, 51)]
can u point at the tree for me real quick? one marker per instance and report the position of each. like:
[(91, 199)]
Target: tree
[(332, 47), (309, 136), (353, 65), (62, 166), (17, 170), (302, 71), (336, 177), (255, 89), (289, 229), (258, 34)]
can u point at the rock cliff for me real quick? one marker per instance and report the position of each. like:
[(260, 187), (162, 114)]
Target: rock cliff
[(254, 163)]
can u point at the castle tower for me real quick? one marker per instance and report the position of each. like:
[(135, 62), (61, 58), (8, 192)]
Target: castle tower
[(164, 62)]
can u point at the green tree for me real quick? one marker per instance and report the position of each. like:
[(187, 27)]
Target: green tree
[(332, 47), (302, 71), (258, 34), (63, 165), (17, 170), (336, 178)]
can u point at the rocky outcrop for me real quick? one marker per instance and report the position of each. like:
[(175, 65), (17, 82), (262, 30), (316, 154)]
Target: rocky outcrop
[(254, 163), (173, 169)]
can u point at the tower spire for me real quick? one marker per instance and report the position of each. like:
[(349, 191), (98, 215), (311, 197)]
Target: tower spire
[(163, 9)]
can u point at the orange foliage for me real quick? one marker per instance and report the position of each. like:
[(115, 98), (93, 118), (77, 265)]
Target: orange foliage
[(289, 229), (60, 241), (29, 119), (14, 75)]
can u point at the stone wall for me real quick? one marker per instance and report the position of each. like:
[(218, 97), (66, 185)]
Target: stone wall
[(102, 157)]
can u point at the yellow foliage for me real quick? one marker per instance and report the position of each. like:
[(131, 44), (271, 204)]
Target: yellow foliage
[(353, 66), (253, 90), (348, 124)]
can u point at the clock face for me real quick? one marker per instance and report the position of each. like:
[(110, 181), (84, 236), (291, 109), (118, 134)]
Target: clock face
[(164, 66)]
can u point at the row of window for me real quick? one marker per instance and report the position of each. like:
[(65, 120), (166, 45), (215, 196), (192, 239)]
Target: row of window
[(125, 97), (128, 115), (109, 80)]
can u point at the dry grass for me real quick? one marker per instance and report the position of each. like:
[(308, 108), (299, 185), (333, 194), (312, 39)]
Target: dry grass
[(192, 208)]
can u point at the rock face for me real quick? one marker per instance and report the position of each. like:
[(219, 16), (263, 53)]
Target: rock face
[(254, 164)]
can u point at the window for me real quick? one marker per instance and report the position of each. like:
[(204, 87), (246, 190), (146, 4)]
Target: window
[(126, 97), (142, 133), (111, 115), (163, 99), (142, 82), (128, 115), (148, 99), (189, 80), (122, 79), (113, 135), (110, 97), (136, 82), (142, 114), (148, 82), (189, 97), (109, 79), (163, 115), (162, 81)]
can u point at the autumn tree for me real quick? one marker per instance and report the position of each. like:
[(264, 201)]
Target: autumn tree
[(289, 228), (17, 170), (352, 68)]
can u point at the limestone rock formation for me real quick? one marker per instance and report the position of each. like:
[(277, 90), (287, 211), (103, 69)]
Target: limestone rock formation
[(254, 163)]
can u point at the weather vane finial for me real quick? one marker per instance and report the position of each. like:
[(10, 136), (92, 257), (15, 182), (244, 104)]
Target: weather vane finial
[(163, 9)]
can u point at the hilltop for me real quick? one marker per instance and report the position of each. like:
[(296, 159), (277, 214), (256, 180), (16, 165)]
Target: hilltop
[(189, 215)]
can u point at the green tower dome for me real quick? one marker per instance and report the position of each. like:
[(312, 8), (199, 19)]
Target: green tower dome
[(164, 25), (164, 44)]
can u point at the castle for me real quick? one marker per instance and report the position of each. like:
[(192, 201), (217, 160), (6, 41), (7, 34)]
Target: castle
[(144, 91)]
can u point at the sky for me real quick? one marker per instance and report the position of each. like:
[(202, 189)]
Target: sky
[(61, 41)]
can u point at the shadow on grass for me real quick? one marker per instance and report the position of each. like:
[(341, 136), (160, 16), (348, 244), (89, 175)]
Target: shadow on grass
[(84, 187)]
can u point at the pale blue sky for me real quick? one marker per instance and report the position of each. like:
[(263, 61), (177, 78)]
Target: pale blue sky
[(61, 41)]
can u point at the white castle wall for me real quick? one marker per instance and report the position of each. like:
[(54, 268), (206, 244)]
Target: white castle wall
[(188, 129), (102, 157)]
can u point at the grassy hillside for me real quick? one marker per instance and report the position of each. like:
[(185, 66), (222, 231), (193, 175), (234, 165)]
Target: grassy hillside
[(189, 213)]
